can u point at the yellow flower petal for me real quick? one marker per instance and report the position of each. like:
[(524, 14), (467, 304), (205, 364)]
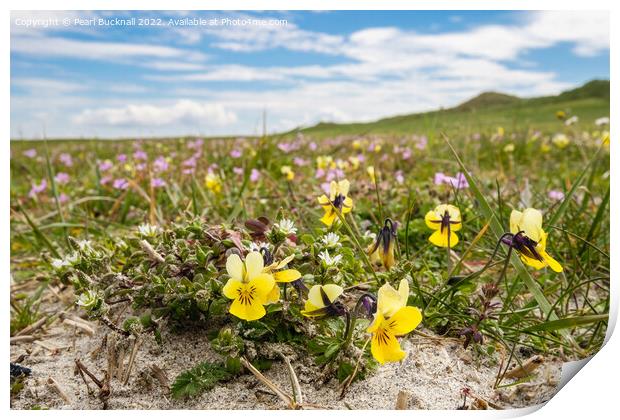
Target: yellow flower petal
[(324, 201), (274, 295), (529, 221), (441, 238), (347, 205), (333, 190), (284, 262), (251, 311), (263, 283), (231, 288), (385, 347), (404, 320), (343, 187), (389, 300), (532, 262), (234, 267), (253, 265), (453, 211), (331, 290), (329, 217), (430, 219), (286, 276)]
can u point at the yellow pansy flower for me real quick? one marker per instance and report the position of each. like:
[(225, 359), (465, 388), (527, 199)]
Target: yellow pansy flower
[(509, 148), (248, 286), (605, 136), (382, 250), (322, 162), (355, 162), (280, 276), (321, 301), (338, 200), (393, 318), (371, 173), (560, 140), (288, 172), (445, 219), (213, 183), (530, 240)]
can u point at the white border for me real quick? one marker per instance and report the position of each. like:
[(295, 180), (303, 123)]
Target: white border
[(591, 394)]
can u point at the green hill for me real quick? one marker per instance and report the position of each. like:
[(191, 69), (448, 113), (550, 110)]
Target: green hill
[(487, 111)]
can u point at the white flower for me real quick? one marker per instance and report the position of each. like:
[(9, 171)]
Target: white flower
[(61, 264), (84, 245), (87, 249), (328, 260), (286, 227), (601, 121), (147, 230), (254, 246), (369, 236), (572, 120), (331, 240)]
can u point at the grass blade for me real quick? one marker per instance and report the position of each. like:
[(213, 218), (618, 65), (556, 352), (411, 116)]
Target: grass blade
[(571, 322)]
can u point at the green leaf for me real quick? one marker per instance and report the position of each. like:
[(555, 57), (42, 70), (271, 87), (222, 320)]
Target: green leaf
[(199, 379), (571, 322)]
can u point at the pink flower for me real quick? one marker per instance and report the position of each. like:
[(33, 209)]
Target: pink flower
[(254, 175), (406, 153), (334, 174), (325, 186), (238, 171), (459, 182), (122, 158), (421, 143), (235, 153), (160, 164), (31, 153), (157, 183), (62, 178), (320, 173), (140, 155), (189, 163), (105, 180), (312, 146), (300, 161), (37, 189), (399, 177), (556, 195), (440, 178), (287, 147), (140, 167), (106, 165), (120, 184), (65, 159), (63, 198), (196, 144)]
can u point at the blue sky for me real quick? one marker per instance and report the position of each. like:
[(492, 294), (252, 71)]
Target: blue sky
[(70, 80)]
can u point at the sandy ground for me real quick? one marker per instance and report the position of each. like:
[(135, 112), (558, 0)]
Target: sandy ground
[(432, 376)]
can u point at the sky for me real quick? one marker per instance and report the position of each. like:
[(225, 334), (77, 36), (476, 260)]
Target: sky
[(83, 75)]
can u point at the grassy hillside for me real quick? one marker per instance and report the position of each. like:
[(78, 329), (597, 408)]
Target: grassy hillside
[(486, 112)]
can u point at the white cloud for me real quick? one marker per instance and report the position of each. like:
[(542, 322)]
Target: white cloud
[(387, 71), (183, 111)]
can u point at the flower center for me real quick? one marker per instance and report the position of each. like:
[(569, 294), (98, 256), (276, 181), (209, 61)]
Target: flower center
[(246, 295)]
